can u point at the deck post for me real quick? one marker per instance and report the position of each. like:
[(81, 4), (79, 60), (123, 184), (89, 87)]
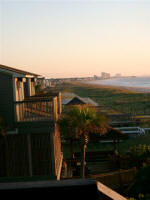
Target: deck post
[(55, 111), (59, 103), (52, 149), (29, 154)]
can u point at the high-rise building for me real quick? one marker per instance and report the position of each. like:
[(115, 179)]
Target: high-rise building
[(118, 75), (105, 75)]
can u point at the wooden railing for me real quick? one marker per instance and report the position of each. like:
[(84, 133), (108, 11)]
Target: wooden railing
[(108, 193), (68, 189), (58, 156), (37, 109), (116, 179), (48, 96)]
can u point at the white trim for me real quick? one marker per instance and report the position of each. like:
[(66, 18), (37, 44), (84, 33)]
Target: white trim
[(29, 76)]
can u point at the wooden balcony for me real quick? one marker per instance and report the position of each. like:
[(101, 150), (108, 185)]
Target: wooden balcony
[(38, 108)]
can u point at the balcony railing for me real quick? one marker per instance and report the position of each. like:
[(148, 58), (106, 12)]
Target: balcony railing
[(42, 109), (33, 110), (48, 96)]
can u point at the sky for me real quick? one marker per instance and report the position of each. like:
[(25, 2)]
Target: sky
[(76, 38)]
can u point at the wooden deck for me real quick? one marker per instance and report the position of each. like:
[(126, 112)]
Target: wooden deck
[(36, 110), (67, 189), (40, 107)]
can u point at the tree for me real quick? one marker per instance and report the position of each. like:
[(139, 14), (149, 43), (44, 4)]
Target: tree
[(78, 122)]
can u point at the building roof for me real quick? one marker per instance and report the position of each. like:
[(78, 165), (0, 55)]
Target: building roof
[(89, 101), (78, 100), (18, 71)]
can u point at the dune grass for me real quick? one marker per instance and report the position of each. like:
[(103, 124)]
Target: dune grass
[(112, 99)]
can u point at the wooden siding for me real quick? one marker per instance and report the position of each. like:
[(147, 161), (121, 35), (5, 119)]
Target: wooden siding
[(6, 98), (25, 155), (31, 154)]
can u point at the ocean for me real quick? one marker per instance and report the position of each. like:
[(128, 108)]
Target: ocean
[(133, 82)]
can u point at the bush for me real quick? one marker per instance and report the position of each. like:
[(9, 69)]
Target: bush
[(140, 155)]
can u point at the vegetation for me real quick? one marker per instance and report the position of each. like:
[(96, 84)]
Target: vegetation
[(134, 151), (112, 99), (140, 155), (77, 123), (140, 188), (125, 145)]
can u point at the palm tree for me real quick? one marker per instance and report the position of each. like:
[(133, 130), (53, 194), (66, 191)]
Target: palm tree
[(77, 122), (65, 125)]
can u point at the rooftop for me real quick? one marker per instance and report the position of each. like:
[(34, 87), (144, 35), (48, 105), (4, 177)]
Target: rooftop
[(67, 98), (18, 71)]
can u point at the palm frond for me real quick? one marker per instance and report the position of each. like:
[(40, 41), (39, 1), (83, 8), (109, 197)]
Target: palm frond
[(81, 120)]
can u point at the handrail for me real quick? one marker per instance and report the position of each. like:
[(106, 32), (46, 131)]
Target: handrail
[(76, 186), (35, 110), (109, 192), (34, 100), (39, 97), (47, 94)]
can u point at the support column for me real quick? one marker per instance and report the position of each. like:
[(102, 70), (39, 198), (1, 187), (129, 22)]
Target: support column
[(59, 103), (55, 109), (29, 154), (52, 149)]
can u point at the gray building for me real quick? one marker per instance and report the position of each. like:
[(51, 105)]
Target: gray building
[(33, 136), (105, 75), (15, 86)]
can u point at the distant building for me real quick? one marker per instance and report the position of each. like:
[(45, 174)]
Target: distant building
[(49, 83), (95, 77), (42, 81), (118, 75), (105, 75)]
